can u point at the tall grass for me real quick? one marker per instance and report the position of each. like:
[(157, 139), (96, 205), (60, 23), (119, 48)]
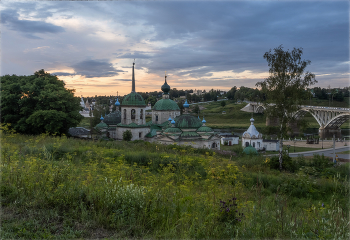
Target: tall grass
[(55, 187)]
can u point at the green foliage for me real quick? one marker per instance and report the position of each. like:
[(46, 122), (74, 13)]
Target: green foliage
[(223, 103), (38, 103), (127, 135), (285, 87), (55, 187), (196, 109)]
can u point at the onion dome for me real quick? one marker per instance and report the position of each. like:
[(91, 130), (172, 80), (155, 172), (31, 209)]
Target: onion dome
[(173, 121), (101, 125), (166, 105), (117, 103), (133, 99), (250, 150), (204, 120), (187, 121), (165, 87), (113, 118), (101, 118), (186, 105), (252, 132), (169, 119)]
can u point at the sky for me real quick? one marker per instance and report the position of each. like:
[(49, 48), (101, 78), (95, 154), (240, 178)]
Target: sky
[(91, 45)]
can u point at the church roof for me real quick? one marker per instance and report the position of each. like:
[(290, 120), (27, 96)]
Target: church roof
[(101, 125), (132, 125), (252, 132), (173, 130), (204, 129), (113, 118), (166, 105), (190, 135), (133, 99), (187, 121)]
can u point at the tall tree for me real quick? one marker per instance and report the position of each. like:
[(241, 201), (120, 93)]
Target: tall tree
[(38, 103), (285, 88)]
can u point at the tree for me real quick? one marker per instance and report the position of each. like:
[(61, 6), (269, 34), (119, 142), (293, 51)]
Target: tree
[(196, 109), (285, 87), (38, 104), (127, 135), (223, 103)]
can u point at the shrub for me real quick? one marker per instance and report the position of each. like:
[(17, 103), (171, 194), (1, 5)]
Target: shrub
[(287, 164), (127, 135)]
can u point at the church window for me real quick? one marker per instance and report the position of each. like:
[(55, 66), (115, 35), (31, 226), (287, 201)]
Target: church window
[(133, 113), (140, 134), (141, 114), (124, 113), (156, 118), (253, 144), (246, 144)]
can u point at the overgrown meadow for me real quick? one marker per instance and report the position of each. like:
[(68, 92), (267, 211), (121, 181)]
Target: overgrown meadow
[(55, 187)]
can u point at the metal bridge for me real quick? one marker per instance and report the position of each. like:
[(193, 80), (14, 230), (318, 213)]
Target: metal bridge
[(329, 118)]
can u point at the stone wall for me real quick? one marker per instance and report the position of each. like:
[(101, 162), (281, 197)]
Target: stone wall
[(140, 115), (255, 142), (137, 133), (163, 116)]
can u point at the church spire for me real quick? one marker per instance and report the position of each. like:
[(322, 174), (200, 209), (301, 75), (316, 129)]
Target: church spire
[(133, 77)]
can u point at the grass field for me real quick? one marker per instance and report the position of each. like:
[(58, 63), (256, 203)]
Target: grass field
[(59, 188)]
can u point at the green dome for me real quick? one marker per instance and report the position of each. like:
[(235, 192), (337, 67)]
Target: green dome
[(204, 129), (166, 105), (101, 125), (187, 121), (250, 150), (133, 99), (165, 88), (172, 130), (113, 118)]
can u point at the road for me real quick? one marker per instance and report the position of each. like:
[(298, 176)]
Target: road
[(326, 152)]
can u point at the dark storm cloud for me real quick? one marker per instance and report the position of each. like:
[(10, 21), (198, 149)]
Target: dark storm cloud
[(95, 68), (9, 17), (234, 35)]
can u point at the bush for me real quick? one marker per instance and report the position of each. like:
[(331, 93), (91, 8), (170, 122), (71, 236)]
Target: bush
[(127, 135), (287, 163)]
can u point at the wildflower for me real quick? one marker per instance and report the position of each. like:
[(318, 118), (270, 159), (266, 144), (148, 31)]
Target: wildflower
[(322, 205)]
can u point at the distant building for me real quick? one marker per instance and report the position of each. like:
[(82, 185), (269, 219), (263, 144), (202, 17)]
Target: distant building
[(252, 137), (229, 139)]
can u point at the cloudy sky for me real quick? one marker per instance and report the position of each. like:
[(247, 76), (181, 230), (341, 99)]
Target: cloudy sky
[(201, 44)]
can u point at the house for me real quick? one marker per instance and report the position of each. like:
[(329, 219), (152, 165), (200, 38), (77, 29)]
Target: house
[(229, 138)]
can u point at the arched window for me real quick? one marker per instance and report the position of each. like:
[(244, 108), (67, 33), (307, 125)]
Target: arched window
[(141, 114), (124, 113), (213, 145), (156, 118), (133, 113), (246, 144), (253, 144)]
